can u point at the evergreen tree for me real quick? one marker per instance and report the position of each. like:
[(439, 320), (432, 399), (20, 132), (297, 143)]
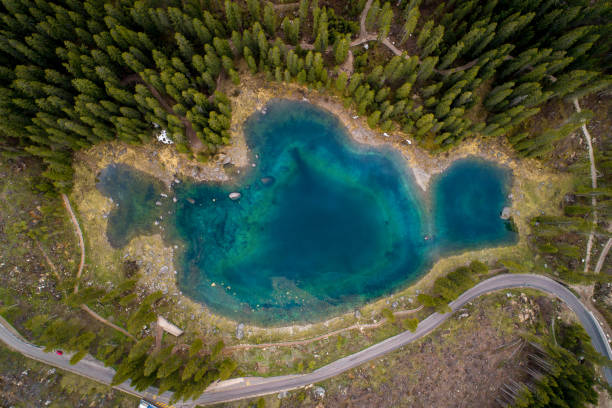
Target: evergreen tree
[(254, 9), (451, 55), (341, 48), (269, 19), (373, 14), (412, 18), (433, 41), (303, 10), (233, 15), (424, 33), (426, 69), (322, 34), (384, 21), (291, 28)]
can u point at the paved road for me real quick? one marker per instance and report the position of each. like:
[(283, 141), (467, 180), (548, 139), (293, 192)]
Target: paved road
[(252, 387)]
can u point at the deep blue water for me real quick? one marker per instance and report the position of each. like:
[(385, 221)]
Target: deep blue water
[(323, 224)]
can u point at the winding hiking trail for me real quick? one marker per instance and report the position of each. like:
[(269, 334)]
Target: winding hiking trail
[(603, 255), (79, 233), (362, 19), (357, 326), (106, 322), (49, 262), (587, 136)]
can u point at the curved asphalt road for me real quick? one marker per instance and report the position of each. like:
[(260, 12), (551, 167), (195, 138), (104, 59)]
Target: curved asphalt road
[(252, 387)]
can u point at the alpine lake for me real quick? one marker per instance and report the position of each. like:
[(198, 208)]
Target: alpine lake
[(318, 225)]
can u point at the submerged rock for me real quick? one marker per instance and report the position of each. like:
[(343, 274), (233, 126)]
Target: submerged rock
[(266, 181), (235, 196)]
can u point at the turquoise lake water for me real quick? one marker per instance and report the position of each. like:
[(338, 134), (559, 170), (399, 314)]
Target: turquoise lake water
[(323, 224)]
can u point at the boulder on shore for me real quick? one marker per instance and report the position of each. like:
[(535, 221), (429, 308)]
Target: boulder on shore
[(505, 214)]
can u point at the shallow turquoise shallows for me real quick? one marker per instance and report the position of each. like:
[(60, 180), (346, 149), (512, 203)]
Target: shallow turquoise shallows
[(323, 224)]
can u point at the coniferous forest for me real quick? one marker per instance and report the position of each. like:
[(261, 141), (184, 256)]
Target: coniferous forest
[(74, 73), (77, 73)]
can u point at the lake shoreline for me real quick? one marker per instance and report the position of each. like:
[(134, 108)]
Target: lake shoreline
[(165, 163)]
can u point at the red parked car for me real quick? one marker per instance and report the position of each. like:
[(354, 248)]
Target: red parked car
[(59, 352)]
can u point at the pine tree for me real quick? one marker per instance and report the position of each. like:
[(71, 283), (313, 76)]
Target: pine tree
[(384, 21), (498, 95), (372, 16), (340, 83), (567, 40), (403, 91), (433, 41), (293, 64), (233, 15), (185, 47), (512, 25), (322, 35), (424, 124), (451, 55), (424, 33), (412, 18), (426, 68), (303, 10), (274, 56), (354, 83), (269, 19), (254, 9), (291, 28), (341, 48)]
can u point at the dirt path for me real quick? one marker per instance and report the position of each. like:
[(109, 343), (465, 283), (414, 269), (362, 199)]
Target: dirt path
[(392, 47), (51, 264), (106, 322), (457, 69), (286, 6), (587, 136), (363, 34), (362, 19), (79, 233), (602, 256), (347, 66), (359, 327)]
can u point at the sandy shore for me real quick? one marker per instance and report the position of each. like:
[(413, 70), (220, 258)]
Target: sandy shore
[(534, 189)]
